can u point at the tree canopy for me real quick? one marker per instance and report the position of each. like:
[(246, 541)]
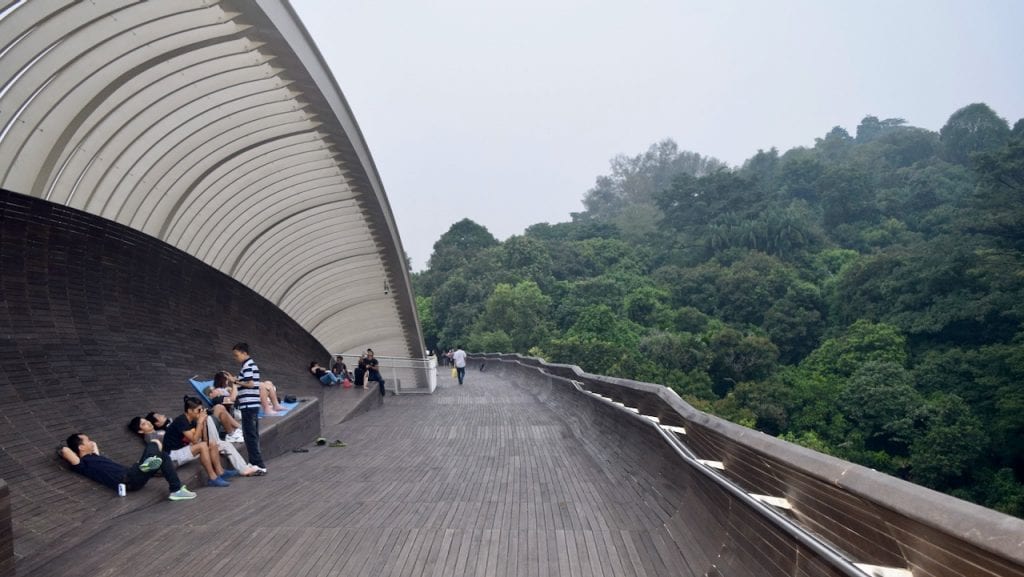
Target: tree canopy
[(863, 296)]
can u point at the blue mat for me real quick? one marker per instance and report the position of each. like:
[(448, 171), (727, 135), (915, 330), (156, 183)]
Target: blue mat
[(199, 386)]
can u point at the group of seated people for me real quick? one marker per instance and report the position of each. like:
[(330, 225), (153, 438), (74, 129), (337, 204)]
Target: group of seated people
[(169, 443), (367, 370), (194, 435)]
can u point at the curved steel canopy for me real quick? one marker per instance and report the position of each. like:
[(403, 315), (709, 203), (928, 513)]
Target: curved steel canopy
[(217, 128)]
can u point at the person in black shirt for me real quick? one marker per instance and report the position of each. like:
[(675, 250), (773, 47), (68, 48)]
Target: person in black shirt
[(83, 454), (339, 369), (374, 368), (183, 441)]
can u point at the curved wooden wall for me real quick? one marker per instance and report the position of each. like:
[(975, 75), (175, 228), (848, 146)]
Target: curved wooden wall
[(102, 323)]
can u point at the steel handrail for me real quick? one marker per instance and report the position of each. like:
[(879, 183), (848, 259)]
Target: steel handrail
[(822, 548)]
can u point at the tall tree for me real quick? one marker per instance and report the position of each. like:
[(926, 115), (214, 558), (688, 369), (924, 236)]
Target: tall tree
[(1000, 197), (635, 179), (519, 311), (974, 128)]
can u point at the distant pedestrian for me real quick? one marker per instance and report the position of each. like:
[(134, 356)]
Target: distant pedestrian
[(459, 358)]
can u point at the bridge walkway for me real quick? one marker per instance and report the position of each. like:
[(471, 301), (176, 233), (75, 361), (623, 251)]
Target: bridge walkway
[(481, 479)]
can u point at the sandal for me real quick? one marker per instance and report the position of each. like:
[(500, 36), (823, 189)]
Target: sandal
[(337, 443)]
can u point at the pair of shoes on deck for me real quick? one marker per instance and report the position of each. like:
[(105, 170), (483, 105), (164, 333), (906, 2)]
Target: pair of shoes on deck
[(218, 482), (182, 494)]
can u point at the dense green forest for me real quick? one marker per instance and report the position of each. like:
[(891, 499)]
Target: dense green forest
[(863, 297)]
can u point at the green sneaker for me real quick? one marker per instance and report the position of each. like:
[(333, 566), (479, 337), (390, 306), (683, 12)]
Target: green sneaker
[(182, 494), (150, 464)]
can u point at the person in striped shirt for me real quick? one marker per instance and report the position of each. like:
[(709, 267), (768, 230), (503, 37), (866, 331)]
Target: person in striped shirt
[(248, 403)]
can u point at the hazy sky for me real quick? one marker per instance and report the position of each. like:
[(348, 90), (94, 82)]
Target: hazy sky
[(506, 112)]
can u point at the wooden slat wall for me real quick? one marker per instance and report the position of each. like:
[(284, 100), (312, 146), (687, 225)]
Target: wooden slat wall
[(102, 323), (6, 532)]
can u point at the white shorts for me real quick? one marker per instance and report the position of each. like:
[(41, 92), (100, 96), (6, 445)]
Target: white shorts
[(183, 455)]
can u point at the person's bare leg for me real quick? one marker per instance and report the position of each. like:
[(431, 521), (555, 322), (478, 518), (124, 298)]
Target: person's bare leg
[(215, 459), (226, 420), (268, 397), (265, 400), (210, 464)]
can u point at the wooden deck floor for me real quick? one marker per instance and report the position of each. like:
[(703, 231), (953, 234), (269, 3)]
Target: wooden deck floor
[(473, 480)]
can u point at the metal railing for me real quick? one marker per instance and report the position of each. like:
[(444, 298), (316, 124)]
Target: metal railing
[(847, 514), (405, 375)]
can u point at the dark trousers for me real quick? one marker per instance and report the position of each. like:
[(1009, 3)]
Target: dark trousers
[(375, 376), (136, 479), (251, 435), (461, 371)]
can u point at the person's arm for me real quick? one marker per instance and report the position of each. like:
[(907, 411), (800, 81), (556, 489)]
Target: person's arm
[(70, 456), (245, 378), (233, 393), (200, 430), (195, 434)]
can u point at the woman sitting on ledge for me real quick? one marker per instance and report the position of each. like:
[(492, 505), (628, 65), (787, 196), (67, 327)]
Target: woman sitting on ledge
[(268, 392), (222, 400)]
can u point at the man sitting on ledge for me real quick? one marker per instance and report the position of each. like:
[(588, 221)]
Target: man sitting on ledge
[(83, 454), (183, 441)]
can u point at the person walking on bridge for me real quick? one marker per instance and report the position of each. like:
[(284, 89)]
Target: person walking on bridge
[(459, 357)]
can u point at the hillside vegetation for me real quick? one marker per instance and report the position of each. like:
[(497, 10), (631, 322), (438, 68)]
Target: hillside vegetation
[(863, 297)]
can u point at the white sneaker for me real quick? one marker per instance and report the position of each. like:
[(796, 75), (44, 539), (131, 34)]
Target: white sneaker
[(235, 437)]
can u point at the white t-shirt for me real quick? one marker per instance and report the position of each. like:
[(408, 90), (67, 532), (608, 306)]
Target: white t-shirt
[(460, 358)]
